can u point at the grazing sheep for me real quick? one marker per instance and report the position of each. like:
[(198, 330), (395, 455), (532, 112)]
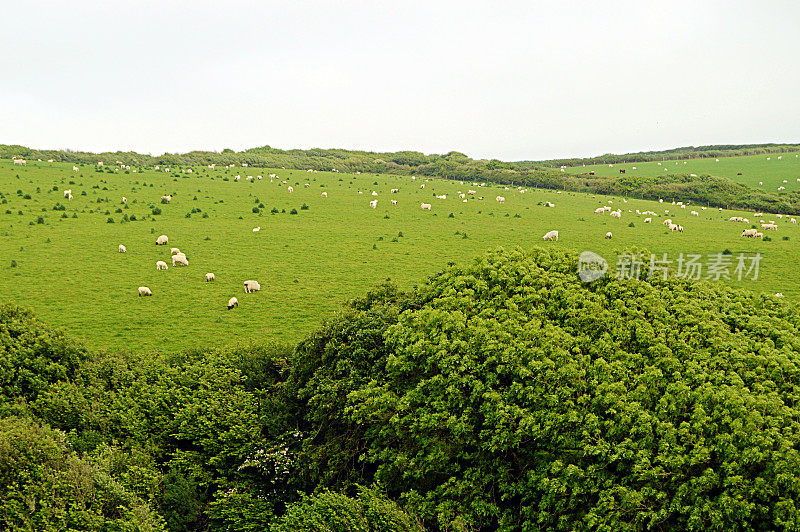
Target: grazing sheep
[(290, 189), (210, 277), (374, 193), (324, 194), (233, 302), (173, 251), (608, 235), (122, 249), (758, 235), (69, 197), (251, 286), (67, 192), (373, 204), (616, 214), (749, 233), (394, 202), (181, 259), (21, 162), (162, 240), (74, 168), (144, 291), (425, 206), (124, 199), (422, 185), (648, 220), (166, 198), (257, 229), (161, 265), (672, 227), (500, 199), (551, 235), (443, 196)]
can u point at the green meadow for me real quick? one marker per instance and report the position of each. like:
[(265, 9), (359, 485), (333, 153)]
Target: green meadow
[(311, 253), (769, 169)]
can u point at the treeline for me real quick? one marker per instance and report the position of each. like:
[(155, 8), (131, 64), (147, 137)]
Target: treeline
[(499, 395), (711, 191)]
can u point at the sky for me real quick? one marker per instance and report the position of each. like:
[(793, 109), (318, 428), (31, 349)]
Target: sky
[(508, 80)]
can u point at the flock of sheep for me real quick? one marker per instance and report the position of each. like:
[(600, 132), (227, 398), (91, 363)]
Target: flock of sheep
[(179, 259)]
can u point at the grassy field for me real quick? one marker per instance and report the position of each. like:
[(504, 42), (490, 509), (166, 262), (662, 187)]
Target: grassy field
[(770, 170), (64, 264)]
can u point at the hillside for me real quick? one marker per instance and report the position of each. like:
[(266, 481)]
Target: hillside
[(714, 191)]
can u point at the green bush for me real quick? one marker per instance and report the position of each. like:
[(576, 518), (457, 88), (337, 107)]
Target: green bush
[(369, 512), (506, 392)]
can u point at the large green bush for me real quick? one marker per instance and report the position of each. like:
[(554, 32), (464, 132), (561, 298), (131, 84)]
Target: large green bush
[(508, 395)]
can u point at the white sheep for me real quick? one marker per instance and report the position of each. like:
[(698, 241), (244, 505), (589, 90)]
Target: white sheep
[(210, 277), (233, 302), (608, 235), (161, 265), (162, 240), (373, 204), (144, 291), (67, 192), (290, 189), (500, 199), (180, 258), (551, 235), (648, 220), (257, 229), (251, 286), (174, 251), (324, 194), (425, 206), (122, 249)]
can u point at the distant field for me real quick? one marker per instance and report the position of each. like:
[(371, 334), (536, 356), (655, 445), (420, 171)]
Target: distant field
[(769, 169), (69, 271)]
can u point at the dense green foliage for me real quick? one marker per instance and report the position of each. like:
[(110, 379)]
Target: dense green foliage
[(507, 395), (369, 512), (499, 395)]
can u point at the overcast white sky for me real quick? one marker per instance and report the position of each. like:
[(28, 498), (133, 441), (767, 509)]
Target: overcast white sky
[(493, 79)]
